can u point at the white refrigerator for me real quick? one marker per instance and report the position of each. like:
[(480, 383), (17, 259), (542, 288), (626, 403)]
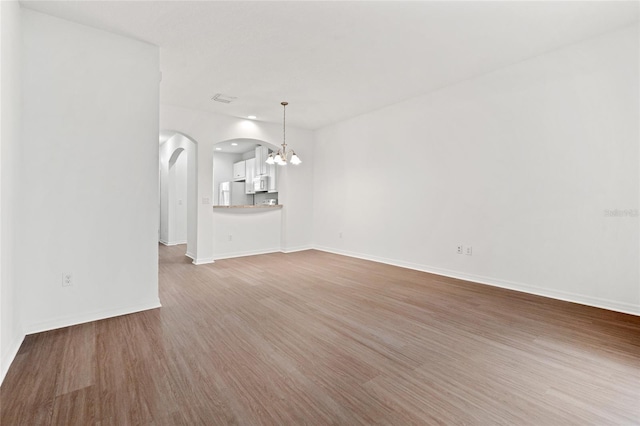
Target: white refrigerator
[(232, 194)]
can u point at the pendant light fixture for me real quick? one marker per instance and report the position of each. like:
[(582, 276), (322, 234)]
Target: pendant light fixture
[(282, 156)]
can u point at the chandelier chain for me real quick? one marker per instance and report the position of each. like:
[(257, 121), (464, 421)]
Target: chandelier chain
[(284, 125)]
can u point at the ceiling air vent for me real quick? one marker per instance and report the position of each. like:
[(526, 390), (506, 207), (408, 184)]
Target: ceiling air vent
[(225, 99)]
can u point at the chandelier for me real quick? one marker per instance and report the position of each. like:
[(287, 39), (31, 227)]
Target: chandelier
[(282, 156)]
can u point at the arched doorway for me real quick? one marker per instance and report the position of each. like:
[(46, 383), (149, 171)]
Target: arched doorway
[(178, 191)]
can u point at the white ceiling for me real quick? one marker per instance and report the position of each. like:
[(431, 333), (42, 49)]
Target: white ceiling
[(334, 60), (236, 146)]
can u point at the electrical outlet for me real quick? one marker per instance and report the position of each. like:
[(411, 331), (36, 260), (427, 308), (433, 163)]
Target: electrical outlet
[(469, 251), (459, 249), (230, 237), (67, 279)]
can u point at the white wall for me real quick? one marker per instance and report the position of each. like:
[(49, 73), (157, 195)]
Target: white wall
[(87, 175), (244, 232), (520, 163), (294, 182), (11, 332)]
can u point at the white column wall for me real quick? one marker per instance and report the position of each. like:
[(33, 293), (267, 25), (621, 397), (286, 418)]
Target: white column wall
[(11, 330), (88, 175)]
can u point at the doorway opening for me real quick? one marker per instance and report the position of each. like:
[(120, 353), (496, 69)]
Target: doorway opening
[(178, 191)]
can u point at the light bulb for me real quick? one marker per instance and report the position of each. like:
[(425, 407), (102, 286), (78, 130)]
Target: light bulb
[(295, 160), (278, 158), (270, 159)]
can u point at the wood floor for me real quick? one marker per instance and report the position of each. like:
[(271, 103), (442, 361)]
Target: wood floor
[(315, 338)]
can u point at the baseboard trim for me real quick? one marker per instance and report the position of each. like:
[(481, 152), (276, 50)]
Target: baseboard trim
[(203, 261), (9, 356), (233, 255), (246, 253), (89, 317), (295, 249), (190, 256), (595, 302), (172, 243)]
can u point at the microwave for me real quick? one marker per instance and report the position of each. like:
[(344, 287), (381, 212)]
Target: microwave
[(261, 184)]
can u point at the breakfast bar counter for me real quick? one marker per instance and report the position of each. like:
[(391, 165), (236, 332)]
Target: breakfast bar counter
[(249, 206)]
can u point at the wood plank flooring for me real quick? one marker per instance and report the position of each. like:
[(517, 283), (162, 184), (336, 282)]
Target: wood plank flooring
[(316, 338)]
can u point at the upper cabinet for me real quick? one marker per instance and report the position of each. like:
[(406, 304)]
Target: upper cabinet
[(257, 175), (261, 169), (272, 170), (250, 171), (239, 171)]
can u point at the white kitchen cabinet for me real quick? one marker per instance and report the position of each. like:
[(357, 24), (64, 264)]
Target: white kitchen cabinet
[(249, 174), (239, 171), (261, 169), (272, 170)]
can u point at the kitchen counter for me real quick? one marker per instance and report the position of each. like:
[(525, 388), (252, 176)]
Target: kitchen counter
[(249, 206)]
